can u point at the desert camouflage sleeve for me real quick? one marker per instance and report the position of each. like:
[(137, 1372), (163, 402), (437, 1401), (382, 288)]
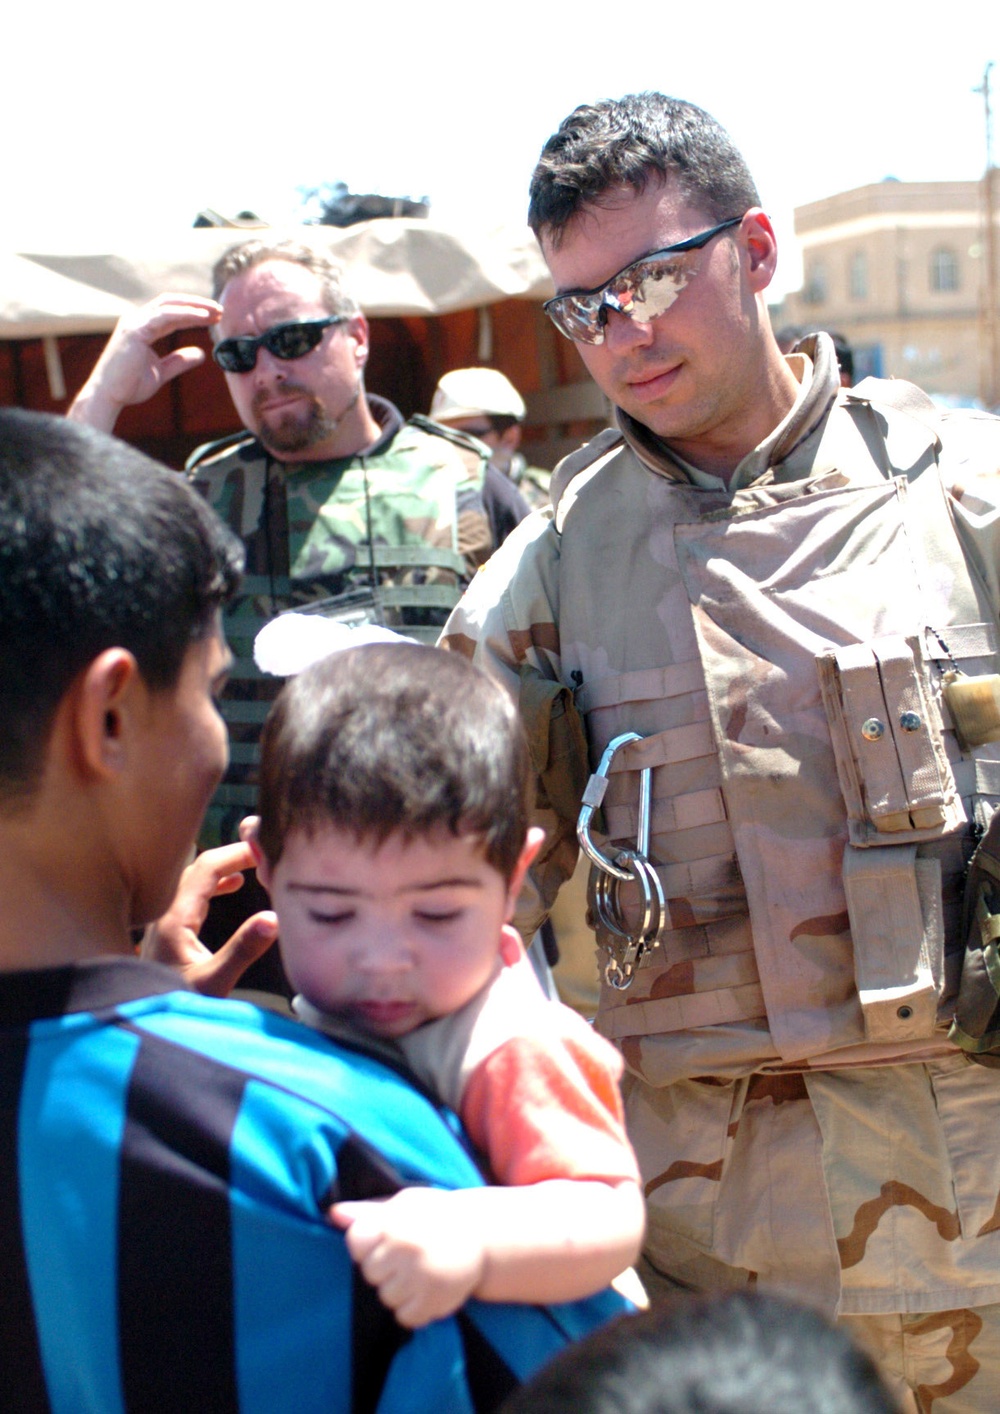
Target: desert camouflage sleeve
[(976, 509), (507, 623)]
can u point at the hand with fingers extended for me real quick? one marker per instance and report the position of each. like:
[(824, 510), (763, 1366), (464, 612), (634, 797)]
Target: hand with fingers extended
[(174, 939), (414, 1248), (130, 370)]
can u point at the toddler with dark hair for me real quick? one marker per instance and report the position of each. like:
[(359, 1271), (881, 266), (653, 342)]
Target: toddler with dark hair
[(393, 838)]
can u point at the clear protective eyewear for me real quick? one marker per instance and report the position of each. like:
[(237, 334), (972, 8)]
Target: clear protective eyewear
[(642, 290), (285, 341)]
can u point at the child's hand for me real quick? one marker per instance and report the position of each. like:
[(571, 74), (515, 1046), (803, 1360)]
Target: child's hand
[(416, 1250), (173, 939)]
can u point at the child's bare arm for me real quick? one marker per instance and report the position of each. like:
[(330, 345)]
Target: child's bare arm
[(427, 1250)]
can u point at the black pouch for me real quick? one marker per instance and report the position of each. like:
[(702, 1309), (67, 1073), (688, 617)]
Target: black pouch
[(976, 1024)]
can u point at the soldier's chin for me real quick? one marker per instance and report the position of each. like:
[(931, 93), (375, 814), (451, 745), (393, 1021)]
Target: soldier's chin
[(287, 434)]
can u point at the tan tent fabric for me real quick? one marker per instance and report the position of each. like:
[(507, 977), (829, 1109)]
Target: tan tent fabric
[(36, 302), (394, 267)]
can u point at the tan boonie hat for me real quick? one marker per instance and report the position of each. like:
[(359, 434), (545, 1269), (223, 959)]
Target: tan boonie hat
[(475, 392)]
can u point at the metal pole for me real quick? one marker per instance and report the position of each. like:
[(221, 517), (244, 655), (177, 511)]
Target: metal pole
[(990, 366)]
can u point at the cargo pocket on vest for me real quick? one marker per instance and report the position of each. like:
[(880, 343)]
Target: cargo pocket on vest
[(888, 742), (899, 791)]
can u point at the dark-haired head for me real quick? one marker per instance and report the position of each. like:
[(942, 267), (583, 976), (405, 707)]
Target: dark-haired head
[(389, 738), (101, 547), (628, 143), (740, 1353)]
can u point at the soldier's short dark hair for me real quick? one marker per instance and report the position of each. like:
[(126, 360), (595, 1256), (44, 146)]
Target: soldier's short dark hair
[(388, 738), (628, 142), (101, 547), (240, 258), (739, 1353)]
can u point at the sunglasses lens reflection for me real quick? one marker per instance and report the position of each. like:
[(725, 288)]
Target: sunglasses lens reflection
[(655, 287), (292, 340), (284, 341), (644, 292), (236, 355)]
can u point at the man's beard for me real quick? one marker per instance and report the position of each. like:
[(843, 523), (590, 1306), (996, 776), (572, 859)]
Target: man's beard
[(293, 429)]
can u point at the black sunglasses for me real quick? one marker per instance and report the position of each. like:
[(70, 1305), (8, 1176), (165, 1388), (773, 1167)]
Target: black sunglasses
[(285, 341)]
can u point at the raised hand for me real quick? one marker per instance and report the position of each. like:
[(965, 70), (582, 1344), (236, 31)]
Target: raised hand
[(174, 940), (130, 370)]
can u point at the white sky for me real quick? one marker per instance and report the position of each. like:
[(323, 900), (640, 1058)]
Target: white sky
[(120, 118)]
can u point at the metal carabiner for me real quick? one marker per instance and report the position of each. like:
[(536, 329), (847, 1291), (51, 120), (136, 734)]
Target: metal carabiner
[(626, 867), (592, 798)]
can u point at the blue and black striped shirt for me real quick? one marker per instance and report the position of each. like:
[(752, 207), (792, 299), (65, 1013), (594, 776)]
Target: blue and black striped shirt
[(165, 1164)]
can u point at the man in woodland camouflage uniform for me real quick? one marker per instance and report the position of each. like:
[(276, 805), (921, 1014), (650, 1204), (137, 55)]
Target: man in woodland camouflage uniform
[(769, 586), (323, 472)]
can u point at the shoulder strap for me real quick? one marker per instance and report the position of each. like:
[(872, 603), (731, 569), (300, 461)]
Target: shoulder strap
[(462, 440), (474, 454), (895, 393), (607, 441), (221, 446), (899, 423)]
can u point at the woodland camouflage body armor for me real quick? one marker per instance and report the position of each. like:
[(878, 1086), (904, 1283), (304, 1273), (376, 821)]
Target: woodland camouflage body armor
[(391, 535)]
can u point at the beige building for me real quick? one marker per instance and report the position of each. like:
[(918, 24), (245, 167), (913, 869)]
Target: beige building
[(899, 268)]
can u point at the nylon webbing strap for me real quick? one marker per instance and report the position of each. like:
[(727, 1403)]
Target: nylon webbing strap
[(893, 900)]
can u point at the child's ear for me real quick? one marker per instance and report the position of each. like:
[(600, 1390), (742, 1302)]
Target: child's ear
[(533, 842), (511, 947)]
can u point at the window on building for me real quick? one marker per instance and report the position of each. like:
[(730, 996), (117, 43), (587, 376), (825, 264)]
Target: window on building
[(857, 275), (815, 290), (944, 269)]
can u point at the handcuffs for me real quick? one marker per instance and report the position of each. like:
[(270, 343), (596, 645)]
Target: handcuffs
[(626, 866)]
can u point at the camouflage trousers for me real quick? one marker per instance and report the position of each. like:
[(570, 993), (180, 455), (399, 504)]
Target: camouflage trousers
[(944, 1363), (873, 1194)]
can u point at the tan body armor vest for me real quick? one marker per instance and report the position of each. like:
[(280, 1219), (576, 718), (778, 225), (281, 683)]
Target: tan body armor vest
[(782, 650)]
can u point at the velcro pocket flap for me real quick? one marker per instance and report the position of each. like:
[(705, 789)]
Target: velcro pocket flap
[(887, 738), (894, 904)]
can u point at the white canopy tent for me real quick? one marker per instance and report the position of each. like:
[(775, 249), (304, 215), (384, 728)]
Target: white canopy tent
[(395, 266)]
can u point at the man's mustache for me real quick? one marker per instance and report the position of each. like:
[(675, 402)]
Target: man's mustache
[(262, 397)]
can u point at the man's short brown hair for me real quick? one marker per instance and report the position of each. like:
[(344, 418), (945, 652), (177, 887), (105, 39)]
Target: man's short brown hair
[(240, 258)]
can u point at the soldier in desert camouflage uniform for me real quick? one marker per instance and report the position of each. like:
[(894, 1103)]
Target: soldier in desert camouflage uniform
[(775, 584), (333, 494)]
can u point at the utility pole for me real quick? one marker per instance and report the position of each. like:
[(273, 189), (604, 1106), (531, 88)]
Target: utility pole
[(989, 320)]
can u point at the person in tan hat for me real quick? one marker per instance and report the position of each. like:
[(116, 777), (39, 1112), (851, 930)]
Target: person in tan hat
[(484, 403)]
